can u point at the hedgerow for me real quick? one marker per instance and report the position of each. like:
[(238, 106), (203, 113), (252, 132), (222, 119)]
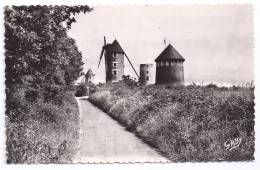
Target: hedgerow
[(187, 123)]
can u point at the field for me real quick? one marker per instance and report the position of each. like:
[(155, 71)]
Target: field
[(186, 123)]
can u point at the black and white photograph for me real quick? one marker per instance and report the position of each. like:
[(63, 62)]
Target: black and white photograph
[(125, 83)]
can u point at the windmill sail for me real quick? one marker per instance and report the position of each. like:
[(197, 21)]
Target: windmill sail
[(132, 66), (102, 51)]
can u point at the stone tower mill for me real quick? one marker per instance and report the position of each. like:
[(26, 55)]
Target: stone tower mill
[(114, 61), (169, 66), (89, 76)]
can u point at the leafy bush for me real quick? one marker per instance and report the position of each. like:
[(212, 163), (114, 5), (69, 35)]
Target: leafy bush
[(187, 123), (85, 89), (82, 90), (129, 81), (43, 132), (212, 85)]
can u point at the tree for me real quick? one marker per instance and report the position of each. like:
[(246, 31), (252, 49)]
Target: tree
[(39, 53)]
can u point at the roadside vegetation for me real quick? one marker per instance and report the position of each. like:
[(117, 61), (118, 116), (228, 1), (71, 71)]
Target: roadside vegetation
[(84, 89), (42, 63), (186, 123)]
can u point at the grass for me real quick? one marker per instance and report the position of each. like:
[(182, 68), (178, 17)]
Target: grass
[(41, 132), (187, 123)]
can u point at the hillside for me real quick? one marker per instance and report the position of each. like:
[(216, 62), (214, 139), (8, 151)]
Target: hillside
[(187, 123)]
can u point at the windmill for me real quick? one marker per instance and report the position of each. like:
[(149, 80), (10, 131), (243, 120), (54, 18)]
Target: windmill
[(114, 61), (88, 77)]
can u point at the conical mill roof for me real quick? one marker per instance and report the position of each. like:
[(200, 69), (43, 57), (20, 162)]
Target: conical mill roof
[(115, 47), (89, 73), (169, 53)]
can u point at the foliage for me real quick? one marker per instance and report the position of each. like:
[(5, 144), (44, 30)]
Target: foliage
[(84, 89), (187, 123), (37, 45), (42, 132), (129, 81), (42, 63), (211, 85)]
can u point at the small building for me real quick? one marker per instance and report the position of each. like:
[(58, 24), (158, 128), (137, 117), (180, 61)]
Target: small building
[(89, 76), (169, 66), (146, 74)]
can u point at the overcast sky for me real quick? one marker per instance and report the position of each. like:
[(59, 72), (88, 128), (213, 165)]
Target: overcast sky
[(216, 41)]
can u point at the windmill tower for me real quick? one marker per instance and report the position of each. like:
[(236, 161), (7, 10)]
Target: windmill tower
[(169, 66), (89, 76), (114, 61), (146, 73)]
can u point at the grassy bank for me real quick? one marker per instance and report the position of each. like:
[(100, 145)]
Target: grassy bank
[(188, 123), (39, 131)]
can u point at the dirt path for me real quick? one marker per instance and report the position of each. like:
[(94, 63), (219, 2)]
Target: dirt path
[(104, 140)]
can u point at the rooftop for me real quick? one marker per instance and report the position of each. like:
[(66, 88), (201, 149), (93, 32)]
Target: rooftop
[(115, 47), (170, 53), (89, 73)]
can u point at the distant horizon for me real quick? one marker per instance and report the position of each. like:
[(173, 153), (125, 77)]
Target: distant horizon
[(216, 41)]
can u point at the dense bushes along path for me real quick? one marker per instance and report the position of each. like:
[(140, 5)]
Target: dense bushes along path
[(187, 123), (102, 139)]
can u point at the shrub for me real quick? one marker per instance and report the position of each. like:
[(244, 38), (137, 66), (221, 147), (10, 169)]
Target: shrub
[(81, 90), (187, 123), (130, 82), (211, 85), (41, 132)]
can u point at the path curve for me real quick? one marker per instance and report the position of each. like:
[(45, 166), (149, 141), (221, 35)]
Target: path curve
[(104, 140)]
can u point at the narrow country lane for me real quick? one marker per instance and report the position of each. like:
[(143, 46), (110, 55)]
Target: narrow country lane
[(102, 139)]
